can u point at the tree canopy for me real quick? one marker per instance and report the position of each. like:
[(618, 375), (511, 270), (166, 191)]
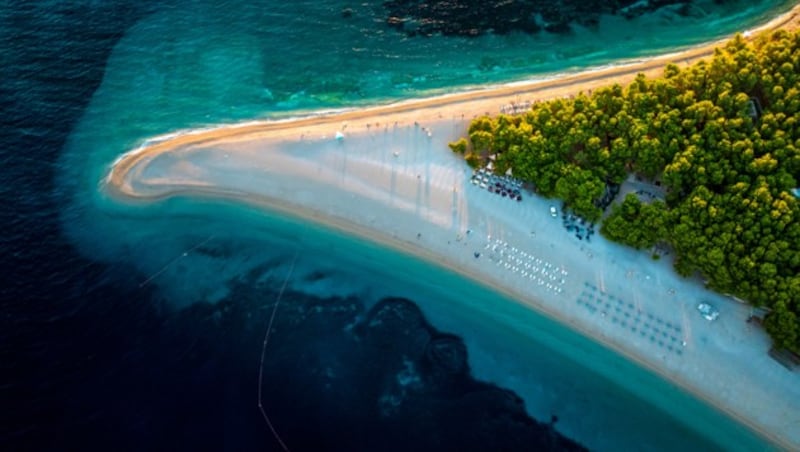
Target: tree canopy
[(721, 135)]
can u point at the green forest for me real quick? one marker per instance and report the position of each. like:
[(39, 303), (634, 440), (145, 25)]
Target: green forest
[(720, 137)]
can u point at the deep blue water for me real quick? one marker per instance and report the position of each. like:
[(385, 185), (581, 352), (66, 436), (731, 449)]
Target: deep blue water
[(93, 359)]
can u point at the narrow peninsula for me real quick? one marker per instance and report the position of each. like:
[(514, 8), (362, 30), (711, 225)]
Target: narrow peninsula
[(717, 135)]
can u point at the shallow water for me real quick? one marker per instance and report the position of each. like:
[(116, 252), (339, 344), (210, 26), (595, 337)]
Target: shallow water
[(212, 62), (200, 63)]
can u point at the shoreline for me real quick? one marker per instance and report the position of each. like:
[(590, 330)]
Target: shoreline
[(592, 77), (405, 247), (431, 114)]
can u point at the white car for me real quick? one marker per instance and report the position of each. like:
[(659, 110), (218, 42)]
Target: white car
[(553, 211), (707, 311)]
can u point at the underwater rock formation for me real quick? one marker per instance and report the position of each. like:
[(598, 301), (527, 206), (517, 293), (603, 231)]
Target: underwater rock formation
[(477, 17)]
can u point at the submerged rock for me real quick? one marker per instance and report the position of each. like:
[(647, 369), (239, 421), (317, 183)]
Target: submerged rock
[(477, 17), (339, 377), (447, 353), (426, 398)]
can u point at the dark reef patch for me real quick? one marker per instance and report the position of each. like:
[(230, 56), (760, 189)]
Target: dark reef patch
[(477, 17), (384, 379)]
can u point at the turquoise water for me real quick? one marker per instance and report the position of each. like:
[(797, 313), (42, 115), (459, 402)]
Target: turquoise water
[(212, 62)]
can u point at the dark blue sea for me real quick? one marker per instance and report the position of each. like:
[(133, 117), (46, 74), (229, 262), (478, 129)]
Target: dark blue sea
[(129, 327)]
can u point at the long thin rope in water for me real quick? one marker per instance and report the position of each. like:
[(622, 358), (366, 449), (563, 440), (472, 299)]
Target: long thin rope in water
[(169, 264), (264, 351)]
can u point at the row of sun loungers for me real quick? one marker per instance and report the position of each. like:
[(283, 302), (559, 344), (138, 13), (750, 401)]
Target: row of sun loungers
[(666, 334), (516, 108), (526, 265)]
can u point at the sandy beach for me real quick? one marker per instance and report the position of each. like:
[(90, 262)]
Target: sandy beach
[(385, 173)]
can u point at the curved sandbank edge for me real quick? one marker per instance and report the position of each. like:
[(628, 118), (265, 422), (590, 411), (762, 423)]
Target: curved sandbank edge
[(118, 182), (467, 100), (348, 227)]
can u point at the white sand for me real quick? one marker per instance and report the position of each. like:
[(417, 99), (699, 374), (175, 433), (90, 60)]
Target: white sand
[(390, 181), (360, 185)]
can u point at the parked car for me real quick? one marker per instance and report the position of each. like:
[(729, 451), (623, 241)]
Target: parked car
[(707, 311), (553, 211)]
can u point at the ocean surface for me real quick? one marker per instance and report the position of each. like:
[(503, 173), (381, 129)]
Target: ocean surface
[(141, 327)]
